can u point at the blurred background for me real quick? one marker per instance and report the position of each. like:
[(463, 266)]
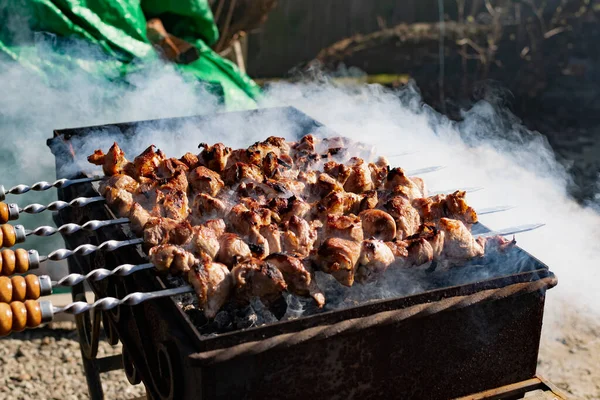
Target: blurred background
[(535, 60)]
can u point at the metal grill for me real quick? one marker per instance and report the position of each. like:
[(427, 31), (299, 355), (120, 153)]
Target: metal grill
[(468, 330)]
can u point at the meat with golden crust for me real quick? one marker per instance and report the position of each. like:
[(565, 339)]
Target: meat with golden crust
[(113, 162), (119, 181), (459, 244), (397, 179), (299, 236), (359, 180), (451, 206), (214, 157), (241, 172), (205, 180), (406, 216), (159, 230)]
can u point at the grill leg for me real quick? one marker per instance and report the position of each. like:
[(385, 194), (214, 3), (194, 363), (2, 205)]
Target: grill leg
[(89, 335)]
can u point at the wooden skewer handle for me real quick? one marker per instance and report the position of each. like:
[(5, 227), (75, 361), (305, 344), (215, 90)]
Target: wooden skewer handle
[(8, 212), (17, 315), (18, 261), (21, 288), (11, 235)]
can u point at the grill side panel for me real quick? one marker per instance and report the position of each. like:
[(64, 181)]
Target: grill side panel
[(444, 355)]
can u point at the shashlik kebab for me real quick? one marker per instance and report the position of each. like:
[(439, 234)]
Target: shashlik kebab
[(255, 222)]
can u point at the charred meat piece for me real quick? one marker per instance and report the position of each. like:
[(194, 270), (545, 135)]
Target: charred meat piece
[(214, 157), (169, 167), (232, 249), (174, 204), (171, 258), (165, 230), (204, 180), (375, 258), (369, 200), (378, 224), (213, 284), (298, 276), (256, 278), (287, 208), (338, 171), (241, 172), (113, 162), (305, 146), (340, 203), (147, 163), (339, 257)]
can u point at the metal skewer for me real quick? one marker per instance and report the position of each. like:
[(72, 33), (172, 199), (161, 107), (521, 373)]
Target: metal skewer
[(68, 229), (108, 303), (422, 171), (101, 273), (85, 249), (463, 189), (43, 185), (510, 231)]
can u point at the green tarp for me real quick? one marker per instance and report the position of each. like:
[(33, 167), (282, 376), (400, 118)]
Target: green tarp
[(116, 33)]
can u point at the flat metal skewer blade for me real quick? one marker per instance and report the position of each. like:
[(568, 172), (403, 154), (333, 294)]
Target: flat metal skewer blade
[(492, 210), (510, 231), (408, 153), (471, 189), (101, 273), (425, 170), (85, 249)]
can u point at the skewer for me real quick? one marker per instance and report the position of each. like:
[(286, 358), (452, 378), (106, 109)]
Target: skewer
[(32, 287), (467, 189), (510, 231), (43, 185), (16, 316), (21, 233), (85, 249), (424, 170)]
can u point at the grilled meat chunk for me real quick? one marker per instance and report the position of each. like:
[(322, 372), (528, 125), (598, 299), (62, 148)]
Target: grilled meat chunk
[(299, 236), (397, 180), (359, 180), (214, 157), (375, 258), (158, 230), (204, 180), (147, 163), (344, 227), (241, 172), (378, 224), (298, 276), (459, 244), (232, 249), (113, 162), (256, 278), (406, 216), (120, 200), (451, 206), (213, 284), (172, 258), (119, 181), (138, 217), (206, 207), (339, 257)]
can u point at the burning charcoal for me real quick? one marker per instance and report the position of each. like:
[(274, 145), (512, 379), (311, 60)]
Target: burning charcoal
[(264, 315), (245, 318)]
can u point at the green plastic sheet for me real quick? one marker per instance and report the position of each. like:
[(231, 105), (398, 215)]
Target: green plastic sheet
[(115, 34)]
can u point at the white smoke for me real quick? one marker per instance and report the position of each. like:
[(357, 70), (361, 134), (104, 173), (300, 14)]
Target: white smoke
[(488, 149)]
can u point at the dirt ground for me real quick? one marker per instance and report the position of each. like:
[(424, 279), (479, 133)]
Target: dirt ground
[(570, 349)]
